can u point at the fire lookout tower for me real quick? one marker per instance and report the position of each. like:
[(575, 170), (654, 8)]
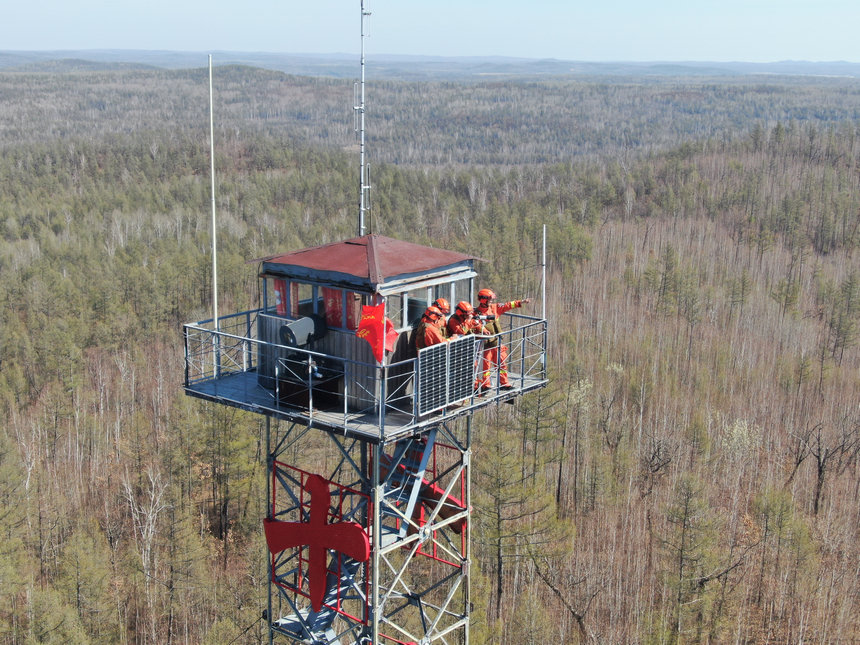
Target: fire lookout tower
[(375, 549), (371, 546)]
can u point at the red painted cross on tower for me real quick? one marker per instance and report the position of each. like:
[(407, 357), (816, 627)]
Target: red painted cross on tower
[(348, 538)]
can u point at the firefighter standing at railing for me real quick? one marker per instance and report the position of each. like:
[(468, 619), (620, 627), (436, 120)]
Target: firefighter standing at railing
[(462, 321), (429, 330), (444, 306), (488, 312)]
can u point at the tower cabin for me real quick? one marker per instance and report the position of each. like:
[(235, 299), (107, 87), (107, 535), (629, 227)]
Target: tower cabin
[(306, 356)]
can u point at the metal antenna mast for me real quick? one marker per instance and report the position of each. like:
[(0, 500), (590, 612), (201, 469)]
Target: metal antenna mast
[(214, 230), (364, 187)]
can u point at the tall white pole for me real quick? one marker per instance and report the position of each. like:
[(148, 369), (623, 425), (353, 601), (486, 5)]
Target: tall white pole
[(543, 276), (543, 297), (214, 230)]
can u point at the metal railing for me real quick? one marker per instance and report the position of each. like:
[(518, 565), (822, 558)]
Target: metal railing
[(526, 342), (211, 354), (223, 365)]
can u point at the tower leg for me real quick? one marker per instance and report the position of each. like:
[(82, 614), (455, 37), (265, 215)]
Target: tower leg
[(268, 498), (378, 495)]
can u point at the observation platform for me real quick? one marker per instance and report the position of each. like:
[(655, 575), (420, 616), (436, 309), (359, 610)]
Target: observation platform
[(375, 402)]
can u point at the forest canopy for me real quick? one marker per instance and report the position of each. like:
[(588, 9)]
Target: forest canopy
[(693, 465)]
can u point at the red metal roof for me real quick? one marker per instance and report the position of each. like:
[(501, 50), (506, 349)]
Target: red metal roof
[(371, 259)]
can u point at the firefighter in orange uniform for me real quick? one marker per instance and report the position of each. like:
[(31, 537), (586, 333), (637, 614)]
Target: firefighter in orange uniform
[(462, 321), (488, 312), (445, 307), (442, 305), (429, 330)]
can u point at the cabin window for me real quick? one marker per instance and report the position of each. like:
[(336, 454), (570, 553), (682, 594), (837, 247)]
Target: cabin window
[(280, 287), (333, 306), (442, 291), (353, 309), (394, 310), (285, 296), (415, 304), (304, 301), (405, 309), (459, 291), (341, 308)]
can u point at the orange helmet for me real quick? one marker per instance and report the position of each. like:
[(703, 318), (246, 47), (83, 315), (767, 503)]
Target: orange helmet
[(464, 308), (486, 294), (443, 305), (433, 313)]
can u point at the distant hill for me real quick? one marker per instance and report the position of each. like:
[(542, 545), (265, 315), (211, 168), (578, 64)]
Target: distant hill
[(407, 67), (69, 65)]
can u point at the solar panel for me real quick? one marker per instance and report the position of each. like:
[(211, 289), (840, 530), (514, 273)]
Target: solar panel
[(446, 373)]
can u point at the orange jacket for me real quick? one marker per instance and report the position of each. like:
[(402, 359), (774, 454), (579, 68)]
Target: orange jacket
[(495, 309), (427, 334), (460, 327)]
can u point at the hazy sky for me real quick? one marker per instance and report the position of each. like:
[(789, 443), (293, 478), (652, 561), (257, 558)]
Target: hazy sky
[(593, 30)]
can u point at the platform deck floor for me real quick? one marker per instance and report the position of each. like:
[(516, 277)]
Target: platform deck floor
[(243, 391)]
